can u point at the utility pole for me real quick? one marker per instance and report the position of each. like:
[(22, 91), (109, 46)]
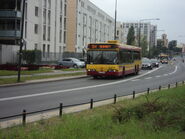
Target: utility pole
[(21, 42), (115, 20)]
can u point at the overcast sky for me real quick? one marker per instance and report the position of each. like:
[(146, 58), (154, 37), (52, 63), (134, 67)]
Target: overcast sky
[(170, 12)]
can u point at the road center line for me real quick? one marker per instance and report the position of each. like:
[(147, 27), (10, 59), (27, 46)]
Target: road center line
[(148, 78), (74, 89)]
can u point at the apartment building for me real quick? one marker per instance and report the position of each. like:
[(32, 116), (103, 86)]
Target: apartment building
[(10, 29), (146, 30), (44, 28), (87, 23), (52, 26)]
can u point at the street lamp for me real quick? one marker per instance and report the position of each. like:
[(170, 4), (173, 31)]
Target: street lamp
[(115, 20), (21, 42), (140, 27)]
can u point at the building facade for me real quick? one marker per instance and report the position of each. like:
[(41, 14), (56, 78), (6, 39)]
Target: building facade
[(10, 29), (44, 28), (146, 30), (87, 23), (52, 26)]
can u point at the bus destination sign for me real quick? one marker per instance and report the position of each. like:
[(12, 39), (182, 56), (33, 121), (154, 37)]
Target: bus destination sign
[(100, 46)]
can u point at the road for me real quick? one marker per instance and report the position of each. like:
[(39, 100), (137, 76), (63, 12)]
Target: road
[(42, 96)]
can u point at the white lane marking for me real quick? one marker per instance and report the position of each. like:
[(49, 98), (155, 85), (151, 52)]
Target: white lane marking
[(174, 71), (148, 78), (74, 89), (165, 74), (136, 80), (168, 73)]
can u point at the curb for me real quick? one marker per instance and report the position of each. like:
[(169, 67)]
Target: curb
[(44, 81)]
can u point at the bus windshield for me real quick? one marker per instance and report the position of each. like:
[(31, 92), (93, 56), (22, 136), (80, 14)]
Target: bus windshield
[(102, 57)]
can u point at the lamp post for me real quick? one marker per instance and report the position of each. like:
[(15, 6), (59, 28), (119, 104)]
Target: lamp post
[(21, 42), (140, 27), (115, 20)]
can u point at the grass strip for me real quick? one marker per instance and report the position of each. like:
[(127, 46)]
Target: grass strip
[(8, 73), (23, 79), (100, 122)]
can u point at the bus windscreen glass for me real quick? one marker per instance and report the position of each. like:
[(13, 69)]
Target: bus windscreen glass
[(102, 57)]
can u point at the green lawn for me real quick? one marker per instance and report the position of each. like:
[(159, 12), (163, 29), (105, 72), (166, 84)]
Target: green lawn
[(23, 79), (8, 73), (160, 115)]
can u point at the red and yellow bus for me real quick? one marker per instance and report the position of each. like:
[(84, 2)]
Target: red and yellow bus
[(112, 59)]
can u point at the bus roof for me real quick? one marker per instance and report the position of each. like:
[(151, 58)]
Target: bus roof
[(117, 45)]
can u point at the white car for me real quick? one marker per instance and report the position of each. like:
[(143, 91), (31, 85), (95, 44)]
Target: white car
[(72, 62)]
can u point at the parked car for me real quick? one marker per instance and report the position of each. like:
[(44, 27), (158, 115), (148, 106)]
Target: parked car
[(155, 62), (147, 64), (72, 62)]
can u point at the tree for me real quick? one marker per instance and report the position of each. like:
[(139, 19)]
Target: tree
[(32, 56), (131, 36), (144, 44)]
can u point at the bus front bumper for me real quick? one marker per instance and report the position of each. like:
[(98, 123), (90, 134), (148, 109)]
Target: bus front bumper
[(95, 73)]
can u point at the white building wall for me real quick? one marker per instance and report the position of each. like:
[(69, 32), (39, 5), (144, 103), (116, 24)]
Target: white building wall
[(50, 21), (145, 30), (93, 25)]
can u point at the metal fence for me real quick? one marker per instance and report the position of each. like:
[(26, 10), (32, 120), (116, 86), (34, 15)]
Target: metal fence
[(27, 117)]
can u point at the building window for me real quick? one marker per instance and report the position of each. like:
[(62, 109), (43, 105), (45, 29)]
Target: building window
[(36, 11), (43, 50), (44, 32), (48, 50), (36, 29), (36, 46), (49, 33), (65, 10), (44, 16), (49, 17), (49, 4), (65, 23), (64, 37)]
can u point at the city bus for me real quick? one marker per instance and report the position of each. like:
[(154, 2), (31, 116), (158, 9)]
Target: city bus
[(112, 59)]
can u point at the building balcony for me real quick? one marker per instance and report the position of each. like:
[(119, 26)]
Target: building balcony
[(10, 34), (10, 14)]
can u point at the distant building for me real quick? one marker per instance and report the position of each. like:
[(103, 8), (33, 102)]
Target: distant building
[(146, 30), (87, 23), (165, 40)]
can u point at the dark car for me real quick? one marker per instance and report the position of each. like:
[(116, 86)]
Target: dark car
[(155, 62), (147, 64)]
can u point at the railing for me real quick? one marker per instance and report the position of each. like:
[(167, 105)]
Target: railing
[(26, 117)]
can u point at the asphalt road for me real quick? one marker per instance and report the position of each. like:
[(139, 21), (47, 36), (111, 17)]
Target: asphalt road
[(34, 97)]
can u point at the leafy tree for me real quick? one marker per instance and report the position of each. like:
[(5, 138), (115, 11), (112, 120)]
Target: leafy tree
[(32, 56), (144, 45), (131, 36)]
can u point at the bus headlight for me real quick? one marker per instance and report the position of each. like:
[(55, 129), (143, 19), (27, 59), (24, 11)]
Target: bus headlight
[(91, 70), (112, 70)]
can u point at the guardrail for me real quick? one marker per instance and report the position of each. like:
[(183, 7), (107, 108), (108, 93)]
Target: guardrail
[(27, 117)]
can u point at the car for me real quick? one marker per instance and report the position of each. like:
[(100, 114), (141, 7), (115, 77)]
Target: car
[(72, 62), (147, 64), (164, 61), (155, 62)]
